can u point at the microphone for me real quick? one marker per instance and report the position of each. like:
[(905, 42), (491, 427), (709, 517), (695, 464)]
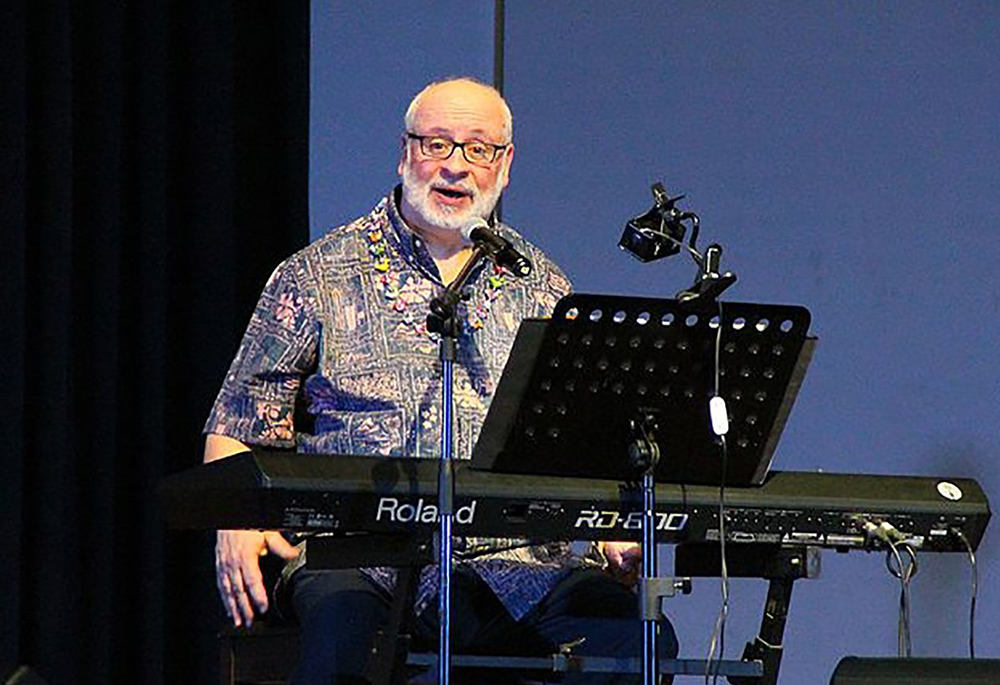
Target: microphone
[(499, 249)]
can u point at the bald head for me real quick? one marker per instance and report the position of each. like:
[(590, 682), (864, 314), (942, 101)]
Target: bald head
[(443, 187), (468, 96)]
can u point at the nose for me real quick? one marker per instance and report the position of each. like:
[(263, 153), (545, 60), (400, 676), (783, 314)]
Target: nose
[(455, 167)]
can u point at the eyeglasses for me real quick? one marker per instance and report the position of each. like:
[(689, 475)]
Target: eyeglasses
[(475, 151)]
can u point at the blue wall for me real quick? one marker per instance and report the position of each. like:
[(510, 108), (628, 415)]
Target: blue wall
[(368, 61), (846, 155)]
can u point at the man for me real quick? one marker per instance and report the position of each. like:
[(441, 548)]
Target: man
[(337, 359)]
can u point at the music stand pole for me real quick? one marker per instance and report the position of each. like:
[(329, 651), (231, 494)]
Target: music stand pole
[(650, 624), (644, 455)]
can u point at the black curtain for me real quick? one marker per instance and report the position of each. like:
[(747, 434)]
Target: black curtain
[(154, 170)]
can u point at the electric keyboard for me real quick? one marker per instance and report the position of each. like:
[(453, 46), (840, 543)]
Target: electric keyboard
[(348, 494)]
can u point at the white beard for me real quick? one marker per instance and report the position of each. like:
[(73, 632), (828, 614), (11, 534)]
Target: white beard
[(417, 195)]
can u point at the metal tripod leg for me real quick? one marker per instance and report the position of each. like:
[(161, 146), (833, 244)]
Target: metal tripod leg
[(767, 646), (781, 566), (391, 647)]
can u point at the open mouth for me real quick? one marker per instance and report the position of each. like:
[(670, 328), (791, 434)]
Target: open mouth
[(452, 193)]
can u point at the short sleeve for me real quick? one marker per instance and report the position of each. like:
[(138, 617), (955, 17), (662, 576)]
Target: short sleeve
[(257, 401)]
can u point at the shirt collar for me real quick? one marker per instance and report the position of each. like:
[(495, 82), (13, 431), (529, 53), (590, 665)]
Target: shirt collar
[(409, 245)]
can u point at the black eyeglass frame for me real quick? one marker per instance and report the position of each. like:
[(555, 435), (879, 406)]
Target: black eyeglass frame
[(497, 149)]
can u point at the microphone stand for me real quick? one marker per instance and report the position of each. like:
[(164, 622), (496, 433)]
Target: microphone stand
[(442, 320)]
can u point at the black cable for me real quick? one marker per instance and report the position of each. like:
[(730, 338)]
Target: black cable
[(724, 610), (974, 568), (719, 632), (905, 573)]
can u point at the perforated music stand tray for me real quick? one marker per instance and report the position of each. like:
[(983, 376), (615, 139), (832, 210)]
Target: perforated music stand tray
[(573, 385)]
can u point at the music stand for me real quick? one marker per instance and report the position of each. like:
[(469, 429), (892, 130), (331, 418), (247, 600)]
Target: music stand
[(611, 375), (573, 385)]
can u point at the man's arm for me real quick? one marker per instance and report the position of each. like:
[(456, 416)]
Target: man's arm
[(238, 552), (219, 446)]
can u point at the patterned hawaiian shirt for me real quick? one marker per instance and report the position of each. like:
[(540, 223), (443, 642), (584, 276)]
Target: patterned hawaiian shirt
[(337, 359)]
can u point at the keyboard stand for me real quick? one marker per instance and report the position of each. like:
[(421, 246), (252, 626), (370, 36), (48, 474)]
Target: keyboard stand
[(390, 652), (781, 566), (568, 663)]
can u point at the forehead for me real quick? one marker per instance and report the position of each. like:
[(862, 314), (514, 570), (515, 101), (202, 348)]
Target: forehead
[(461, 110)]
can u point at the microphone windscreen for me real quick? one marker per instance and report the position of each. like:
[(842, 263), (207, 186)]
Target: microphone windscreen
[(471, 225)]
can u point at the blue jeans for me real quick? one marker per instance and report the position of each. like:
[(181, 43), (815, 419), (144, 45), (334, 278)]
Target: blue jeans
[(340, 611)]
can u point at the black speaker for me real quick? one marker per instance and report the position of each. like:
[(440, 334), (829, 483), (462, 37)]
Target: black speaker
[(854, 670), (24, 676)]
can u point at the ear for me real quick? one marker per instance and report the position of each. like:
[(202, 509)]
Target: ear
[(508, 157), (404, 150)]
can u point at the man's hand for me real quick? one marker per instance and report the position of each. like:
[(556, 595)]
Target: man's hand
[(624, 560), (238, 552), (237, 570)]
